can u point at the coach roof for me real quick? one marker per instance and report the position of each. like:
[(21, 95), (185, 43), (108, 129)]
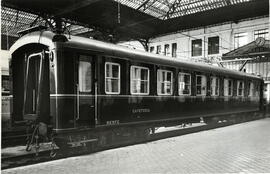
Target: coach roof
[(45, 38)]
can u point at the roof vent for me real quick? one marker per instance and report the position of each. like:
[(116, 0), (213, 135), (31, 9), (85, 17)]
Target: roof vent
[(59, 38)]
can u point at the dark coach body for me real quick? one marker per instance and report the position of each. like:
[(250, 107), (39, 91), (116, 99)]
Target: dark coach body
[(83, 84)]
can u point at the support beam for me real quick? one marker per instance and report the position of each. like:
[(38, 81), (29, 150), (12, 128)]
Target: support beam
[(74, 7), (145, 43), (143, 4)]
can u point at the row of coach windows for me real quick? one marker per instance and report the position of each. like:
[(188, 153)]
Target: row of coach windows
[(140, 82)]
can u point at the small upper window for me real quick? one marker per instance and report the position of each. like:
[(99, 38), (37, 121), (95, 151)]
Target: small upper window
[(213, 45), (240, 39), (174, 49), (228, 87), (139, 81), (201, 85), (184, 81), (240, 88), (152, 49), (250, 89), (164, 82), (261, 33), (196, 46), (85, 74), (166, 49), (158, 51), (112, 78), (214, 86)]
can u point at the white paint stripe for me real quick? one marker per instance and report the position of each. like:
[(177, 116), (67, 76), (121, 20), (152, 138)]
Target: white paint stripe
[(151, 96)]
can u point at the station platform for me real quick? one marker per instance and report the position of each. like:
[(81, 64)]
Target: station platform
[(240, 148)]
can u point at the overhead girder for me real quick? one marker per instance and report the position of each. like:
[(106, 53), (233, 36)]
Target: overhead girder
[(136, 21), (75, 6)]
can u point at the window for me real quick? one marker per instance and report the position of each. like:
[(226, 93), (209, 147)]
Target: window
[(200, 85), (158, 49), (196, 47), (240, 39), (152, 49), (228, 87), (174, 49), (213, 45), (214, 83), (184, 81), (112, 78), (261, 33), (250, 89), (5, 84), (139, 81), (85, 74), (240, 88), (257, 89), (164, 82), (166, 49)]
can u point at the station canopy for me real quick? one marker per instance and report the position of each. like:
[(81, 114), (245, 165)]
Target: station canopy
[(125, 19)]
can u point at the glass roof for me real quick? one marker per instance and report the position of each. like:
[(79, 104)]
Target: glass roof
[(166, 9), (13, 21)]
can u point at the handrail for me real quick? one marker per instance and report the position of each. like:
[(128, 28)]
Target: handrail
[(78, 102), (27, 77)]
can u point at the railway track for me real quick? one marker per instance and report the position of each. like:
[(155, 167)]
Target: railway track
[(14, 140), (44, 155)]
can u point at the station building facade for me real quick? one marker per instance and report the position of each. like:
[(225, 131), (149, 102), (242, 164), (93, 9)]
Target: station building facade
[(210, 42)]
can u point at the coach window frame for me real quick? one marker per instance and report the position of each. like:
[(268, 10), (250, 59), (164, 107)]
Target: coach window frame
[(256, 89), (229, 89), (242, 89), (205, 85), (190, 87), (113, 78), (217, 85), (86, 59), (148, 80), (159, 83), (251, 89)]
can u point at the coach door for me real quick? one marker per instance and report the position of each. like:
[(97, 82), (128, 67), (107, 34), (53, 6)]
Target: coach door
[(36, 87), (85, 92)]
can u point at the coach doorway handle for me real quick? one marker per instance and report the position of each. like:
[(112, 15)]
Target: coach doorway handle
[(78, 102)]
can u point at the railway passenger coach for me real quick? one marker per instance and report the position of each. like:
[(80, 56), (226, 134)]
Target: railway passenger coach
[(85, 89)]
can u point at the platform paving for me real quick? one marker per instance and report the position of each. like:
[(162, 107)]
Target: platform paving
[(241, 148)]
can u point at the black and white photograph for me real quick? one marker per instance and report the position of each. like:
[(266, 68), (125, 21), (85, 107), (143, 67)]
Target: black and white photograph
[(135, 86)]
